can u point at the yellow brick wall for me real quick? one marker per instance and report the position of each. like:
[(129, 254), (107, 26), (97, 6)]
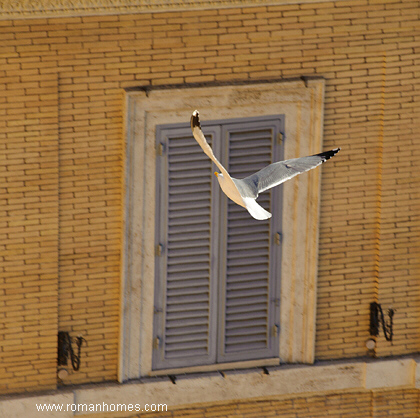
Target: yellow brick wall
[(61, 142), (29, 217)]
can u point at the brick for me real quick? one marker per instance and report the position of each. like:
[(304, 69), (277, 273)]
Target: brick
[(233, 38)]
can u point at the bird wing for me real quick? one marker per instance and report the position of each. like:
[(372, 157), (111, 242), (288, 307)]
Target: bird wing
[(277, 173), (201, 139)]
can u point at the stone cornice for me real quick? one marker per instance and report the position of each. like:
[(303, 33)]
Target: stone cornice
[(12, 9), (284, 382)]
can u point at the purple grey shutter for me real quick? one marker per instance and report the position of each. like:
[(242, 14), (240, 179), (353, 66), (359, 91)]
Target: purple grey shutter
[(217, 269), (184, 325), (249, 293)]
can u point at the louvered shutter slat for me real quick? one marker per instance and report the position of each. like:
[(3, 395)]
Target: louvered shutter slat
[(188, 252), (190, 197)]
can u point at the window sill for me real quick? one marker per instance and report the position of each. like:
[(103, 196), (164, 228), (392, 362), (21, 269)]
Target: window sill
[(218, 367)]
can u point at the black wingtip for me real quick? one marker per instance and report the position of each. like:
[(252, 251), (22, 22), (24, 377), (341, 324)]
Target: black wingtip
[(328, 154), (195, 120)]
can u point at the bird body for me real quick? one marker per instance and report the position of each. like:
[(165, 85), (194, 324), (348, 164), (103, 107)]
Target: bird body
[(229, 187), (244, 192)]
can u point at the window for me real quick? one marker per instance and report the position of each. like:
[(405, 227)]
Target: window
[(302, 107), (217, 269)]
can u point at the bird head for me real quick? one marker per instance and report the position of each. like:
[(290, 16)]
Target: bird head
[(219, 176), (195, 120)]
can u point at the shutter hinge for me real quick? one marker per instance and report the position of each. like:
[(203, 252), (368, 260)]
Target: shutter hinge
[(275, 330), (159, 149), (280, 137), (277, 238), (159, 250), (156, 343)]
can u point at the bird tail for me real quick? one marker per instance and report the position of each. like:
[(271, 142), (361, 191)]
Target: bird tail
[(255, 210)]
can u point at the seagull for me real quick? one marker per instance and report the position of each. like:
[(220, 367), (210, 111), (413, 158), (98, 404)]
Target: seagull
[(244, 192)]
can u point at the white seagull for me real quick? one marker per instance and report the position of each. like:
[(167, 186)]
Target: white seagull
[(244, 192)]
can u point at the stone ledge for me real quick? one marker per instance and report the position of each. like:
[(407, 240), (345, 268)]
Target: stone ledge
[(25, 406), (297, 380), (12, 9), (391, 374)]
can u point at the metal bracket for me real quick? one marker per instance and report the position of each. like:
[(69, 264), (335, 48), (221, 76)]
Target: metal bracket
[(377, 317)]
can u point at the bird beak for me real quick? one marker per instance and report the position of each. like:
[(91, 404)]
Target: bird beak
[(216, 173)]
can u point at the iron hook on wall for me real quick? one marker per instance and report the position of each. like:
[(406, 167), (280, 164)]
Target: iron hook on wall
[(65, 349), (377, 317)]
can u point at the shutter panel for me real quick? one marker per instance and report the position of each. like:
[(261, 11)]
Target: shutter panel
[(248, 299), (216, 293), (184, 321)]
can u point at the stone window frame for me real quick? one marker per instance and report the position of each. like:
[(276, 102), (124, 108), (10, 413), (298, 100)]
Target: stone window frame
[(302, 104)]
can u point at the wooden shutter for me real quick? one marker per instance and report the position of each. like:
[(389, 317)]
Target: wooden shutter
[(217, 268), (248, 300), (184, 328)]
